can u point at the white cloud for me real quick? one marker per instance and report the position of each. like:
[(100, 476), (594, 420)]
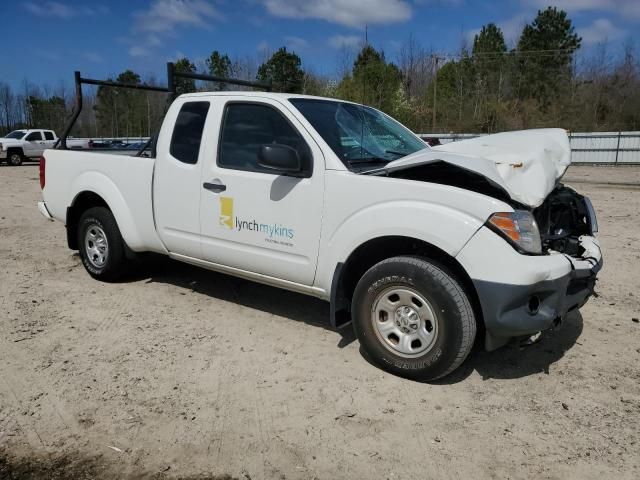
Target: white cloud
[(93, 57), (138, 51), (296, 43), (153, 40), (626, 8), (440, 3), (601, 30), (50, 9), (49, 55), (511, 29), (346, 41), (343, 12), (166, 15), (61, 10)]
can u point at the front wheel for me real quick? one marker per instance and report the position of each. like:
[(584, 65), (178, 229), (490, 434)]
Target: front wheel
[(413, 318), (102, 248), (14, 159)]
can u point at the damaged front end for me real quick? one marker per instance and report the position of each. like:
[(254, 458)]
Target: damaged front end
[(568, 225), (563, 218), (521, 290), (521, 293)]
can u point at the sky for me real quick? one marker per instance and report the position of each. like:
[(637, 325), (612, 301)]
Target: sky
[(45, 41)]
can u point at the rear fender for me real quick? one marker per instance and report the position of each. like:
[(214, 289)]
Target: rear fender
[(104, 187)]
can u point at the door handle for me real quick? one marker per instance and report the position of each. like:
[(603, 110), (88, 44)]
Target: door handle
[(216, 186)]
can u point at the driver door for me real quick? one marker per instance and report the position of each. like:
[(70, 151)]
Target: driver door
[(34, 145), (251, 218)]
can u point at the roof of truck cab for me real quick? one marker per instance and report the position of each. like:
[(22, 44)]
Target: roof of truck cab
[(275, 96)]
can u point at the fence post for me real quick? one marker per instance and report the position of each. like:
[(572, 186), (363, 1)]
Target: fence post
[(618, 146)]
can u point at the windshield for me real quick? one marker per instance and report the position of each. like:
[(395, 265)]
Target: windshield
[(361, 137), (18, 134)]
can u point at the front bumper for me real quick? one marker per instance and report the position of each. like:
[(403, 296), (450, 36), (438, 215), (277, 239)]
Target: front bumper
[(521, 295), (3, 154)]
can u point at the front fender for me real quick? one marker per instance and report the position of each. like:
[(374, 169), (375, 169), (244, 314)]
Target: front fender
[(102, 185), (439, 225)]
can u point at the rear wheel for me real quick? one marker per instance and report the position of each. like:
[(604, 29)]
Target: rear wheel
[(102, 248), (14, 158), (413, 318)]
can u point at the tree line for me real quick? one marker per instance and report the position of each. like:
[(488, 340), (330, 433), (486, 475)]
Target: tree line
[(541, 81)]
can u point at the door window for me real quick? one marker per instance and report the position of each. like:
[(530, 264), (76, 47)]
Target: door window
[(187, 133), (249, 126), (48, 135), (34, 137)]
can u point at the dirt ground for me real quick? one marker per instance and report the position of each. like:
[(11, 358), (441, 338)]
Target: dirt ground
[(184, 373)]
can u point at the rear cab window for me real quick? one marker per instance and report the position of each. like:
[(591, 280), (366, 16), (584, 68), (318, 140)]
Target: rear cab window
[(187, 132), (48, 135)]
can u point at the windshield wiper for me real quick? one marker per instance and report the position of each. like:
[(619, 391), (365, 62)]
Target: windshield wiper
[(394, 152), (357, 161)]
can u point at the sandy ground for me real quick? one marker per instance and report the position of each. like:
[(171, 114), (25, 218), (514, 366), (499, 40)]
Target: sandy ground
[(185, 373)]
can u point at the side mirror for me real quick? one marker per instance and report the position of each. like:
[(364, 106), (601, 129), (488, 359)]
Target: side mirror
[(280, 158)]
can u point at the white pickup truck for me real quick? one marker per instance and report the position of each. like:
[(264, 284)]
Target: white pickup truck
[(21, 145), (419, 247)]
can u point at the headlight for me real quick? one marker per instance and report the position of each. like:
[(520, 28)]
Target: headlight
[(519, 228)]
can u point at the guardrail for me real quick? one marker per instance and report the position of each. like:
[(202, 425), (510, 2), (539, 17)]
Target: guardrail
[(589, 148)]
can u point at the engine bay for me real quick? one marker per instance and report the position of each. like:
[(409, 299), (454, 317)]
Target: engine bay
[(562, 219)]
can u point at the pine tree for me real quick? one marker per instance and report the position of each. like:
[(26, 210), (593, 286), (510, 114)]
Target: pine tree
[(545, 54), (219, 66), (284, 70), (185, 85), (373, 81)]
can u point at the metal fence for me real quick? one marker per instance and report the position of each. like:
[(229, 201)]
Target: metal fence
[(618, 148)]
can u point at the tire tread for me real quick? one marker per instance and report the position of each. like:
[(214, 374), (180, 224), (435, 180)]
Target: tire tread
[(458, 295), (116, 264)]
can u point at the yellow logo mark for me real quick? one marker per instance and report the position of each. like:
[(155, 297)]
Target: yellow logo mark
[(226, 212)]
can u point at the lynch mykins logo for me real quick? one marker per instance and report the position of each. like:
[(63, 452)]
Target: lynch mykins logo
[(227, 220)]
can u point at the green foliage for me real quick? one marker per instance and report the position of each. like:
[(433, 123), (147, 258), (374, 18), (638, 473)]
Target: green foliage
[(553, 39), (126, 112), (490, 40), (220, 66), (485, 89), (47, 112), (315, 85), (372, 82), (284, 69), (185, 85)]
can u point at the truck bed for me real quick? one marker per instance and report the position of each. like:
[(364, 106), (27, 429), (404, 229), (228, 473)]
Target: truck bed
[(124, 182)]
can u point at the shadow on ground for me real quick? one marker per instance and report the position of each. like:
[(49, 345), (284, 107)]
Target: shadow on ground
[(25, 163), (275, 301), (516, 361), (75, 466), (509, 362)]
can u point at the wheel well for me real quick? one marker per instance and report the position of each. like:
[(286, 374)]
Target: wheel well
[(19, 150), (374, 251), (81, 204)]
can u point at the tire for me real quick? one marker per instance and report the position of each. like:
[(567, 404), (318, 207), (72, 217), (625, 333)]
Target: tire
[(14, 158), (413, 318), (102, 248)]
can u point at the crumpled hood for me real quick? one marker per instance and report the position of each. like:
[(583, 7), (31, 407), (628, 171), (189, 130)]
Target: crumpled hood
[(526, 164)]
